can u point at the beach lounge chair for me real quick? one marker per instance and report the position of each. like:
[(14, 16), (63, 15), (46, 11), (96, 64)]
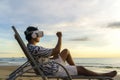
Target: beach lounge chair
[(32, 69)]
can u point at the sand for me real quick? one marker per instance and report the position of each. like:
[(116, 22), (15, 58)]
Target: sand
[(6, 70)]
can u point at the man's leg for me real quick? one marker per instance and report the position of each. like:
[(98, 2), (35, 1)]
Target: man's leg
[(83, 71), (66, 56)]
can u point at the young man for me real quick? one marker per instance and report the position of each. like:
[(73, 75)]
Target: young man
[(42, 55)]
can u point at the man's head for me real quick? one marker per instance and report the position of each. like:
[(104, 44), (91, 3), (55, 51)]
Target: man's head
[(32, 33)]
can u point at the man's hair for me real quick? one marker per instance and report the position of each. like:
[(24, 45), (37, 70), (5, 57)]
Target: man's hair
[(29, 29)]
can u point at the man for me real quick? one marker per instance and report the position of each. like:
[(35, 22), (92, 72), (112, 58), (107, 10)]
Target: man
[(41, 54)]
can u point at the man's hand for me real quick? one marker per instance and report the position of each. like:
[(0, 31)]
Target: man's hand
[(59, 34)]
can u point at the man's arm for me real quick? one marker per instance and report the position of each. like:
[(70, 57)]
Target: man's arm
[(57, 48)]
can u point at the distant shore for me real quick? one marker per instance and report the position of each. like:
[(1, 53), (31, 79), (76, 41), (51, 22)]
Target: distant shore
[(6, 70)]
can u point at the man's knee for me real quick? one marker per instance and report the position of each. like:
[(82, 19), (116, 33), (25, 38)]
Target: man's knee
[(66, 50)]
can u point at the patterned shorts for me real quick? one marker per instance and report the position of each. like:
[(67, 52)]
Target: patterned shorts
[(61, 72)]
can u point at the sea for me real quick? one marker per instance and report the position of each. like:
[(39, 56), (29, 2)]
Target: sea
[(94, 64)]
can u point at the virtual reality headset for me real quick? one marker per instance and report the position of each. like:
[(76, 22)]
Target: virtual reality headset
[(36, 33)]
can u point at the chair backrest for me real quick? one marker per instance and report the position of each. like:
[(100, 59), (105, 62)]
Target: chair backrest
[(34, 64)]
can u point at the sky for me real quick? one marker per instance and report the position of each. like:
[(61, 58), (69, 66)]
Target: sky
[(90, 28)]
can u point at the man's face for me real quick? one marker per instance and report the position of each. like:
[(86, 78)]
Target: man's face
[(37, 39)]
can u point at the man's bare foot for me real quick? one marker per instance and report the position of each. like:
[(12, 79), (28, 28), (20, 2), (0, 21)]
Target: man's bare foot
[(110, 74)]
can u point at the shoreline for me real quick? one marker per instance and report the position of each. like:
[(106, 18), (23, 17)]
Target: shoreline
[(6, 70)]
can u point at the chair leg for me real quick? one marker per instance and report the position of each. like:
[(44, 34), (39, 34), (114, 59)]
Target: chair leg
[(13, 75), (65, 79), (105, 79)]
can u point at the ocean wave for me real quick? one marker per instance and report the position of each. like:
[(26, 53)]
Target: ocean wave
[(101, 63), (3, 62), (12, 61), (103, 67)]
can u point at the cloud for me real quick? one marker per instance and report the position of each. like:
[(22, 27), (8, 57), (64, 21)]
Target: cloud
[(114, 25), (48, 12), (43, 11), (80, 39)]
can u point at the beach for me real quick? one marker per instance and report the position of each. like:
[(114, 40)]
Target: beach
[(6, 70), (8, 65)]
